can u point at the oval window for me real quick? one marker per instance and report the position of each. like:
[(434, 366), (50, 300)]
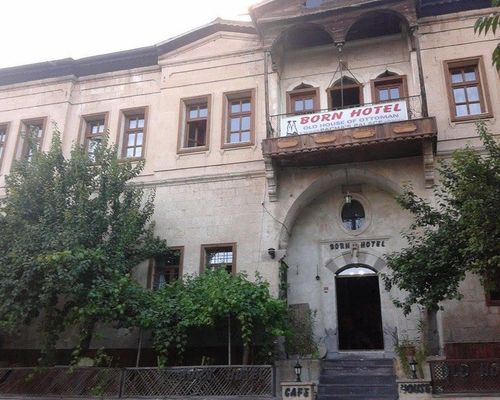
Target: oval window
[(353, 215)]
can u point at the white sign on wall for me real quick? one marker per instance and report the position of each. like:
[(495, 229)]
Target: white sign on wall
[(343, 119)]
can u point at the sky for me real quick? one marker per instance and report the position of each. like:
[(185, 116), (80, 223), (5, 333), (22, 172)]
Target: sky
[(42, 30)]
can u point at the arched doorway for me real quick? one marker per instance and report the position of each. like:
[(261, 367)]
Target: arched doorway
[(358, 308)]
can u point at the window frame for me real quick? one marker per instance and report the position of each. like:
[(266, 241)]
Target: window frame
[(388, 81), (292, 94), (484, 98), (348, 86), (226, 115), (84, 125), (487, 294), (182, 136), (205, 247), (22, 144), (3, 145), (152, 267), (124, 117)]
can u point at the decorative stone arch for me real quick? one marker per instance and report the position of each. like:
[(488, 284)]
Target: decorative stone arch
[(364, 256), (329, 306), (327, 182)]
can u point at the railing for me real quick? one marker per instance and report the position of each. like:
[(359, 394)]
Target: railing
[(196, 381), (465, 376), (60, 381), (413, 106)]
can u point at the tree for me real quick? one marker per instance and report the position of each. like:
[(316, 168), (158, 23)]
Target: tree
[(72, 230), (487, 22), (204, 301), (460, 235)]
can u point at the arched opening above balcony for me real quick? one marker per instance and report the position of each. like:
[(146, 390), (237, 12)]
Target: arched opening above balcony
[(376, 24), (302, 36)]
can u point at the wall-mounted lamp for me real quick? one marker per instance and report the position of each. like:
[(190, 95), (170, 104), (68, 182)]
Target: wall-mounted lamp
[(413, 368), (298, 370), (272, 252), (348, 198)]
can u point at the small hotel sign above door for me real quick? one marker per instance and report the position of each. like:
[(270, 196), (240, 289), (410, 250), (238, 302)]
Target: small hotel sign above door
[(359, 244), (344, 119)]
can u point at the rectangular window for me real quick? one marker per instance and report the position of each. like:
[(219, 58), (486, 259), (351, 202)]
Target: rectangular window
[(467, 90), (95, 128), (240, 122), (303, 100), (167, 268), (36, 129), (389, 89), (134, 134), (219, 256), (493, 293), (345, 93), (194, 124)]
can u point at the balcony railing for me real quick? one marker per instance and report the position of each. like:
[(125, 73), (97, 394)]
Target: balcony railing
[(325, 120)]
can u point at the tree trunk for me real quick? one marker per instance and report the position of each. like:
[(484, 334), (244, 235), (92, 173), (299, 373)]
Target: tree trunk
[(431, 332), (86, 337), (246, 353), (53, 321)]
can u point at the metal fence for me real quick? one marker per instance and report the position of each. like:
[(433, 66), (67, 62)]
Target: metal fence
[(465, 376), (60, 381), (413, 106), (203, 381)]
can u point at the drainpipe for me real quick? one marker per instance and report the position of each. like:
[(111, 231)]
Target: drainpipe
[(416, 41), (266, 91)]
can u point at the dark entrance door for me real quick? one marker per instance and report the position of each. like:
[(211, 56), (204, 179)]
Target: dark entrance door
[(358, 310)]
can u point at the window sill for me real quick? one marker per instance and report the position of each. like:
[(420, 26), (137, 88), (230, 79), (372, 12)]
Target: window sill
[(467, 120), (192, 150), (132, 159), (235, 146), (492, 303)]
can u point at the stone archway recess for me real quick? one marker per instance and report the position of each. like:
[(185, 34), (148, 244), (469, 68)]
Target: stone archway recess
[(327, 182), (373, 259)]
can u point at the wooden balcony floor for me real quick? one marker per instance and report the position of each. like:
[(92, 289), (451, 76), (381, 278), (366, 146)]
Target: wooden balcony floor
[(375, 142)]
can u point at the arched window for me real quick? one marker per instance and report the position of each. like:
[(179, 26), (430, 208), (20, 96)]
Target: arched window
[(345, 92), (389, 87), (303, 99), (353, 215), (356, 270)]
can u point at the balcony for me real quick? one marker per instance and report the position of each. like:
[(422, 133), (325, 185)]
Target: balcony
[(395, 129), (375, 131)]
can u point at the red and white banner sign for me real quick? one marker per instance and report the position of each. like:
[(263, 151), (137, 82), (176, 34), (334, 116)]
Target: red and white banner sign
[(343, 119)]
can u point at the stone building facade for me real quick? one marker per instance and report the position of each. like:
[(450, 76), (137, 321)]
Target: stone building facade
[(211, 112)]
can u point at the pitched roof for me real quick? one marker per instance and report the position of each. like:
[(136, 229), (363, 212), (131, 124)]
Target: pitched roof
[(118, 61)]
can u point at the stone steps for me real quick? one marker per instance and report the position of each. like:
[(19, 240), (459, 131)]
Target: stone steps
[(359, 379)]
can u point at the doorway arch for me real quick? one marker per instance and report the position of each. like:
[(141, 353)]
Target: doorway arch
[(359, 311)]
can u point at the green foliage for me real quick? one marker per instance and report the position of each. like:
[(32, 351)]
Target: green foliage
[(460, 234), (490, 22), (72, 230), (205, 300), (406, 349), (301, 340)]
